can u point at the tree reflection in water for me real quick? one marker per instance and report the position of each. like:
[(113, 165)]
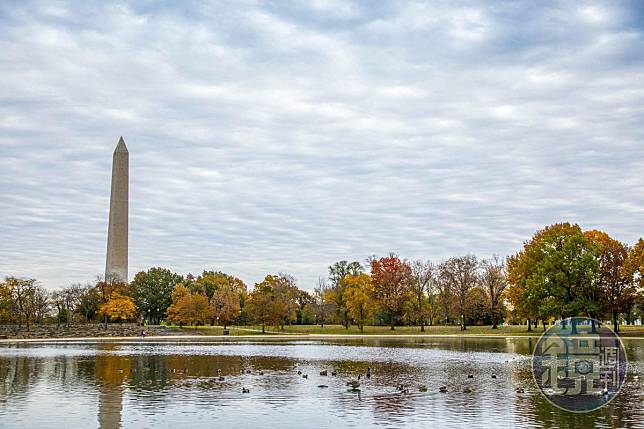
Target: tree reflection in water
[(112, 385)]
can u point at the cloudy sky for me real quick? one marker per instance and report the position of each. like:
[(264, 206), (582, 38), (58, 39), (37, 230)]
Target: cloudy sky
[(283, 136)]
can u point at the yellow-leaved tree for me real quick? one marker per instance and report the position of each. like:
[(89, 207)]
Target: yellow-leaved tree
[(358, 296), (118, 307)]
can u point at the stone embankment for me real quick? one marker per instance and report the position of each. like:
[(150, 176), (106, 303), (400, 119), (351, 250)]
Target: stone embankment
[(85, 330)]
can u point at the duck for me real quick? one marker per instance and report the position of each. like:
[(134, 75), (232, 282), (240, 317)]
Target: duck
[(520, 390), (368, 372), (422, 389), (354, 384), (245, 390), (470, 376), (248, 371), (334, 373), (299, 372), (221, 378), (261, 373), (323, 373), (493, 375), (443, 389), (467, 390), (322, 386), (305, 376)]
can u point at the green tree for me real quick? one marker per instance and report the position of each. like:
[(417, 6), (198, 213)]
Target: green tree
[(555, 270), (152, 292)]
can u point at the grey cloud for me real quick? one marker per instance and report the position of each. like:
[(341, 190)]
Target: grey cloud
[(281, 136)]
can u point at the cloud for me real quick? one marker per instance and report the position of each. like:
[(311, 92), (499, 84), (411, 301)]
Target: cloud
[(286, 136)]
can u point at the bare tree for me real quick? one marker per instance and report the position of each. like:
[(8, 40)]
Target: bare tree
[(493, 281), (459, 274), (421, 284), (322, 308)]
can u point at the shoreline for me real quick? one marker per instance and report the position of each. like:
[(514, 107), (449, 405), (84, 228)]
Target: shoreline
[(270, 337)]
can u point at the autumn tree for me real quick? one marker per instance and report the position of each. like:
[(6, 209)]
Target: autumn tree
[(358, 292), (633, 270), (188, 308), (459, 275), (110, 288), (391, 278), (117, 307), (225, 305), (493, 282), (611, 286), (261, 305), (152, 292), (335, 294), (24, 295)]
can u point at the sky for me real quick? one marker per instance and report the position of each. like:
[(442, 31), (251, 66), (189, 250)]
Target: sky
[(283, 136)]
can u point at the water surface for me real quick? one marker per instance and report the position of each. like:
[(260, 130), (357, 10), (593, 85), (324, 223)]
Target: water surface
[(176, 384)]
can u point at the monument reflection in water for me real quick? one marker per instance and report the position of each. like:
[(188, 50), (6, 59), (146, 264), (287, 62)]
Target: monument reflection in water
[(111, 385)]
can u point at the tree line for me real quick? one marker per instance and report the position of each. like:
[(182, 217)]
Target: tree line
[(561, 272)]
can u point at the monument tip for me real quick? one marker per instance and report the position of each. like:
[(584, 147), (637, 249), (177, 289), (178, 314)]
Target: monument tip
[(120, 146)]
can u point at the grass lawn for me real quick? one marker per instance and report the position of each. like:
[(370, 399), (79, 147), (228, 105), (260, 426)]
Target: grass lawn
[(512, 330)]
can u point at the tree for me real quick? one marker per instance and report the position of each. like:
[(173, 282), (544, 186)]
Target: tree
[(118, 307), (25, 298), (285, 294), (209, 281), (359, 297), (335, 295), (321, 308), (152, 292), (391, 279), (190, 308), (612, 286), (459, 274), (555, 270), (477, 310), (88, 302), (261, 305), (633, 270), (421, 288), (493, 281), (225, 305), (104, 290)]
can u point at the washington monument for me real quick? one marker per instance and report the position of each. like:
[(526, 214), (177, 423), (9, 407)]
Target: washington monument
[(116, 263)]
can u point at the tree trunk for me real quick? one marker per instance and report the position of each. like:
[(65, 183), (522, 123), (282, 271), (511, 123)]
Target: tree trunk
[(615, 322), (544, 325), (573, 326), (422, 327), (263, 329), (494, 321), (105, 322)]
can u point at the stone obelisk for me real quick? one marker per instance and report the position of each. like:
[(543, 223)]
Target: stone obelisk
[(116, 264)]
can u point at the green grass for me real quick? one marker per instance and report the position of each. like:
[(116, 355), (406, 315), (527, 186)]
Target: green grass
[(512, 330)]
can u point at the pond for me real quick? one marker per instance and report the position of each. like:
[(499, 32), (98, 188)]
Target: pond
[(201, 383)]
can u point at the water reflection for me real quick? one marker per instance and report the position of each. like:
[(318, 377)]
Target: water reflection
[(112, 385)]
